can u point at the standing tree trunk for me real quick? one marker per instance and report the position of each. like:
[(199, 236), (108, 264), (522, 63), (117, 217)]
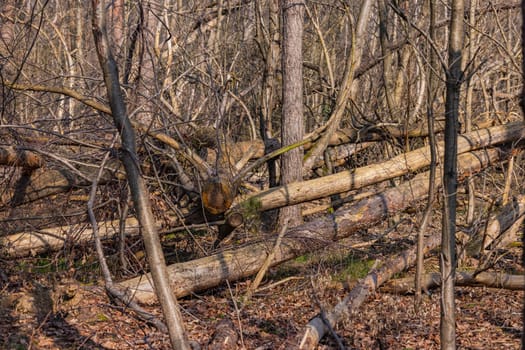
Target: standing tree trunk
[(433, 82), (522, 105), (292, 128), (448, 249), (270, 87), (137, 186)]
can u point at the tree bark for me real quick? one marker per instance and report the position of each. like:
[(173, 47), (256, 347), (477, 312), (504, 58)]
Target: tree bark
[(42, 182), (431, 97), (448, 246), (493, 233), (200, 274), (269, 92), (137, 186), (292, 128), (13, 156), (51, 239)]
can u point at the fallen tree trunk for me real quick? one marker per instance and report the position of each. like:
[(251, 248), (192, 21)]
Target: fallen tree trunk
[(492, 234), (309, 190), (317, 327), (42, 182), (210, 271), (463, 279), (35, 242)]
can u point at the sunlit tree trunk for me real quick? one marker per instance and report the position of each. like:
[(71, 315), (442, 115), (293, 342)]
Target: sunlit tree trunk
[(138, 189), (292, 128)]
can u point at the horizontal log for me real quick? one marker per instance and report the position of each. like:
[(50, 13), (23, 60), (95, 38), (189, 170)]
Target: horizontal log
[(210, 271), (50, 239), (43, 182), (305, 191), (317, 327), (463, 278)]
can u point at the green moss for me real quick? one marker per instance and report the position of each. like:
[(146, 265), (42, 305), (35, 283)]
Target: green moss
[(355, 269), (251, 206), (102, 317), (301, 259)]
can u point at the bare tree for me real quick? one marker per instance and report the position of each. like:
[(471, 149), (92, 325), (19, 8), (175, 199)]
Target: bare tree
[(433, 85), (448, 238), (137, 186), (269, 92), (292, 128), (522, 105)]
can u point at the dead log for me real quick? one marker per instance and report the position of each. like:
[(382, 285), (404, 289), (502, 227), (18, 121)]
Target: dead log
[(231, 222), (491, 234), (325, 186), (210, 271), (463, 279), (317, 327), (225, 337), (51, 239), (43, 182), (217, 194)]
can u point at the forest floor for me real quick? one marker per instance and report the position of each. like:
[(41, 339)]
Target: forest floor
[(55, 311)]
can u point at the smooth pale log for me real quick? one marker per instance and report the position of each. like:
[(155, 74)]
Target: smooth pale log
[(463, 279), (50, 239), (305, 191), (204, 273), (499, 222)]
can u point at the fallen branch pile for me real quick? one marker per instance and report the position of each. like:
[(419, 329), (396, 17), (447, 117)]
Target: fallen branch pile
[(44, 182), (210, 271)]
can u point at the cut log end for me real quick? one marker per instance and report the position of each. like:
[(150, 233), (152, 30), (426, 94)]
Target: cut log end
[(217, 195), (225, 336), (234, 219)]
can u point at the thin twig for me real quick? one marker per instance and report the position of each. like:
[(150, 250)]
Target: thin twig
[(260, 275), (111, 289), (237, 313)]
